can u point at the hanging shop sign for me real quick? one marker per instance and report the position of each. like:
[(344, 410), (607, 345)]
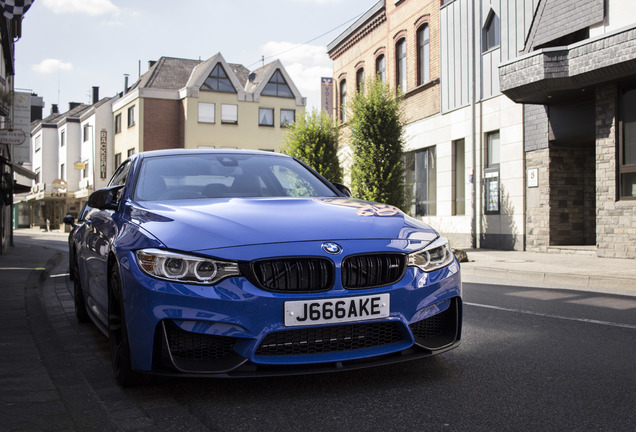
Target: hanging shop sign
[(12, 136), (103, 153)]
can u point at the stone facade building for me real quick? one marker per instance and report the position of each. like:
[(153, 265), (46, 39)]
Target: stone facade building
[(576, 76)]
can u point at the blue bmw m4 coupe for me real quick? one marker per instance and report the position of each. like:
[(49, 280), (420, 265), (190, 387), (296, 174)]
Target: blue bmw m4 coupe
[(231, 263)]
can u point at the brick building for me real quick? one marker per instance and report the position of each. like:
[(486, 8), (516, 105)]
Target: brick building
[(464, 153), (181, 103)]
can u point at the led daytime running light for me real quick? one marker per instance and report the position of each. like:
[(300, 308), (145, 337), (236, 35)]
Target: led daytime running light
[(433, 257)]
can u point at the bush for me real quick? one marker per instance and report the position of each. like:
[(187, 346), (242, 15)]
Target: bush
[(313, 139), (377, 141)]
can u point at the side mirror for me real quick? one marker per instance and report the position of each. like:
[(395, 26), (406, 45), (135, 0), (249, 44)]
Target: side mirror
[(69, 220), (343, 189), (106, 198)]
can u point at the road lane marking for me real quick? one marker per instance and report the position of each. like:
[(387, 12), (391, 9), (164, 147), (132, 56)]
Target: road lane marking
[(585, 320)]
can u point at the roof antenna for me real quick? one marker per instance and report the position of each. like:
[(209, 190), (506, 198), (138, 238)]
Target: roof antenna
[(263, 60)]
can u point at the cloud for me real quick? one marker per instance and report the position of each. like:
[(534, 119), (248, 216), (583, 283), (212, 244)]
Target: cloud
[(49, 66), (88, 7)]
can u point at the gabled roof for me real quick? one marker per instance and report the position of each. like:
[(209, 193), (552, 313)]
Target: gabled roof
[(178, 74), (202, 71), (167, 73), (74, 114), (261, 76)]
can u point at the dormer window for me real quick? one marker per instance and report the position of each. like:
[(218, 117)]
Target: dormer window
[(218, 81), (277, 86), (491, 32)]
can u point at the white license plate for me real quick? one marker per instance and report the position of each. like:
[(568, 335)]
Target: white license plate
[(337, 310)]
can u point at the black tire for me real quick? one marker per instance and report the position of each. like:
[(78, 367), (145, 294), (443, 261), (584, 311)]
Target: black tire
[(118, 333), (80, 305)]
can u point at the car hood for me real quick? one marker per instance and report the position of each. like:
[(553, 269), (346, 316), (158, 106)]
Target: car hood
[(197, 225)]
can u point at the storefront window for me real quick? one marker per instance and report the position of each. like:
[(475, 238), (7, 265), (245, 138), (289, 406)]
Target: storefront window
[(421, 182), (627, 144)]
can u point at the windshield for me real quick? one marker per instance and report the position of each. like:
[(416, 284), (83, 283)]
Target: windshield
[(202, 176)]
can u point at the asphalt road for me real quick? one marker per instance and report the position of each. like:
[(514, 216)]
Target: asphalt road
[(532, 359)]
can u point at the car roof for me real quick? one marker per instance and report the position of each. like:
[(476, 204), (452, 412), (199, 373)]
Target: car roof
[(175, 152)]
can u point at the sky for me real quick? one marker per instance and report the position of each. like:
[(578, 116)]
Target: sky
[(69, 46)]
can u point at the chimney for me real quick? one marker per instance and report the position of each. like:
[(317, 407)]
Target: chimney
[(151, 63), (54, 109), (125, 83), (95, 95), (73, 105)]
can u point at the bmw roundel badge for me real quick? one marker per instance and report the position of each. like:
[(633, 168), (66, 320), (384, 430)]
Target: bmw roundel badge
[(332, 248)]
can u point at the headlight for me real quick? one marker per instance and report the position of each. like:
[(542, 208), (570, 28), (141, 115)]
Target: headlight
[(434, 256), (184, 268)]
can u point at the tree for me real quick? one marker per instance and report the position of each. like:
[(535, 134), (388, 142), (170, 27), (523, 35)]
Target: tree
[(377, 141), (313, 139)]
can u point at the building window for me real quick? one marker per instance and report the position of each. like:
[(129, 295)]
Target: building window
[(206, 112), (493, 150), (85, 171), (421, 181), (343, 101), (62, 170), (359, 79), (627, 144), (266, 116), (490, 37), (117, 160), (491, 173), (277, 86), (380, 67), (459, 182), (131, 116), (118, 123), (62, 138), (400, 65), (229, 114), (218, 81), (287, 117), (131, 151), (86, 132), (423, 55)]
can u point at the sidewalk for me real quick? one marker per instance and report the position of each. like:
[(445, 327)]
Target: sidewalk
[(27, 387), (575, 271)]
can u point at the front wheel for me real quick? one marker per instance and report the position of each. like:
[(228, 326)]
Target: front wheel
[(118, 333)]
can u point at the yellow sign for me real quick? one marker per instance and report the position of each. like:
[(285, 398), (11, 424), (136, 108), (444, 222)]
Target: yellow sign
[(59, 185), (79, 165)]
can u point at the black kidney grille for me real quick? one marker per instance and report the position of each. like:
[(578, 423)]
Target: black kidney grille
[(373, 270), (320, 340), (299, 275), (185, 345)]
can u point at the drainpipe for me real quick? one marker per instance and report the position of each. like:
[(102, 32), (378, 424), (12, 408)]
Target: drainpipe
[(473, 121)]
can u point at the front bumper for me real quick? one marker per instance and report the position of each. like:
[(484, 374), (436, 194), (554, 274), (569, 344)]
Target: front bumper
[(236, 329)]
